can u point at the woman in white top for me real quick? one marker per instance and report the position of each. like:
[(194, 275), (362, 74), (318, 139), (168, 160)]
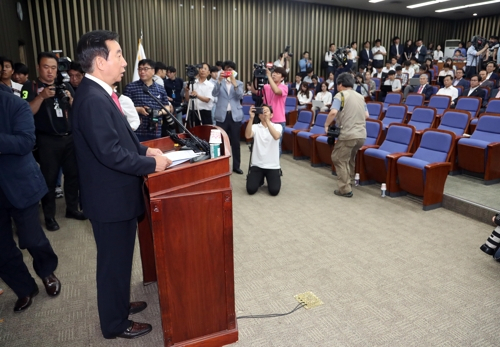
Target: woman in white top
[(324, 95), (452, 66), (438, 53), (331, 81), (304, 96), (248, 88)]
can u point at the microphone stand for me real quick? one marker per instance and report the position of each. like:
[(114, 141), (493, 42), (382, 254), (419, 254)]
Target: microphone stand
[(202, 146)]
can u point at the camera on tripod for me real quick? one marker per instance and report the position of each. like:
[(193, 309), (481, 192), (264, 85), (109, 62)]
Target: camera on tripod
[(478, 42), (192, 72), (154, 118)]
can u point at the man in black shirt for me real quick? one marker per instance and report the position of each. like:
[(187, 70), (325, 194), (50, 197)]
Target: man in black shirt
[(175, 90), (51, 108)]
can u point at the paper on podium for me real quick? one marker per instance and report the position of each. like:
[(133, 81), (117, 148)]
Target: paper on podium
[(179, 157)]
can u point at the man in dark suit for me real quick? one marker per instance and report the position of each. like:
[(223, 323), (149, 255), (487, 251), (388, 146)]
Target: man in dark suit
[(111, 162), (424, 88), (459, 79), (420, 51), (366, 55), (474, 90), (21, 188), (396, 50)]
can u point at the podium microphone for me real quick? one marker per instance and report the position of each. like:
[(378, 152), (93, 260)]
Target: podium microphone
[(202, 145)]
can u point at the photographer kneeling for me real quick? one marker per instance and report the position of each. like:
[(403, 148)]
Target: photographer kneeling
[(265, 161)]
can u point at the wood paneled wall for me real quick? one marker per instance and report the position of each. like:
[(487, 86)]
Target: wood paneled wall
[(485, 26), (246, 31)]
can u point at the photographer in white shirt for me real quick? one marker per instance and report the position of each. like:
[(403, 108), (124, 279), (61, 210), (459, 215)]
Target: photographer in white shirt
[(265, 162)]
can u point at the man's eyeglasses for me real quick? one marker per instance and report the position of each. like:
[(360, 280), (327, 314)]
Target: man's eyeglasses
[(145, 69)]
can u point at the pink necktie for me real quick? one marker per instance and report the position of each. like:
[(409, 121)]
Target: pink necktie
[(420, 89), (117, 102)]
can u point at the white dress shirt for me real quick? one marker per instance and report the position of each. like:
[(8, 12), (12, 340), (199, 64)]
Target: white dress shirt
[(378, 56), (450, 91), (204, 89)]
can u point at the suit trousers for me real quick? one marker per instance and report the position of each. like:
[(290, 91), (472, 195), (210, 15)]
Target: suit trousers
[(13, 270), (344, 159), (232, 129), (115, 250), (56, 152)]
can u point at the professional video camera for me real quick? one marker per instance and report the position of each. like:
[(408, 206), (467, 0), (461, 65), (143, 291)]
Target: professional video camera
[(192, 72), (332, 133), (287, 50), (259, 74), (478, 42), (154, 118), (339, 58), (63, 65)]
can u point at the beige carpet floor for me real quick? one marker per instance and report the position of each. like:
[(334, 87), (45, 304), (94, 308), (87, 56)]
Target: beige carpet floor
[(388, 273)]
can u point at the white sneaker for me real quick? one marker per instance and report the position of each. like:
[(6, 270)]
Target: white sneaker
[(59, 193)]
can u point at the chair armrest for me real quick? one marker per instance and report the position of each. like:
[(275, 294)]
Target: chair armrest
[(396, 156), (314, 136), (298, 130), (436, 166)]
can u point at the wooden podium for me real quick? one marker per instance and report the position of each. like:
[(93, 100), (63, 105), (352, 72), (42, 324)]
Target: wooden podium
[(186, 243)]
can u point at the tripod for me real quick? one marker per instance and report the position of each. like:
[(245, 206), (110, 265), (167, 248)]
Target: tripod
[(192, 110)]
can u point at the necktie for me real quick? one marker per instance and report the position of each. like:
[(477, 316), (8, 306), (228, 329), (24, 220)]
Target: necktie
[(115, 99), (420, 89)]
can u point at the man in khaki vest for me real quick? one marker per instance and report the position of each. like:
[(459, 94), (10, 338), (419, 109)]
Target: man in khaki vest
[(350, 114)]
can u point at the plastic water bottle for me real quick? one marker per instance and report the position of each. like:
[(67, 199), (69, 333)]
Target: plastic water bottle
[(356, 179), (383, 188)]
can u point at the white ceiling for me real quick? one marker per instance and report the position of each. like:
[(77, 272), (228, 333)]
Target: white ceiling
[(399, 7)]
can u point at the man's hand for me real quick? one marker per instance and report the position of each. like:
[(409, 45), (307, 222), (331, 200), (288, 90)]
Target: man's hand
[(268, 73), (252, 112), (48, 92), (194, 94), (162, 163), (68, 94), (151, 152), (170, 99), (142, 110)]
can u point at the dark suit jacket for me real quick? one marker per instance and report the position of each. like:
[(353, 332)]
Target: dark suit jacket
[(477, 92), (422, 54), (427, 91), (393, 52), (364, 57), (20, 177), (464, 83), (111, 161)]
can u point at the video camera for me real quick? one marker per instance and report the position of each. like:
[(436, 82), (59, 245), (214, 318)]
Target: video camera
[(192, 72), (260, 75), (63, 65), (287, 50), (478, 42), (154, 118), (339, 58)]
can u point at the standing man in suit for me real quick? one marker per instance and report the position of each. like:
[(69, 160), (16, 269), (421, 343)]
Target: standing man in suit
[(21, 188), (366, 55), (424, 88), (396, 50), (111, 162), (228, 110), (420, 51)]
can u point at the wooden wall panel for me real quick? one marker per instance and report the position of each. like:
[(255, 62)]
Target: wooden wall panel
[(485, 26), (194, 31)]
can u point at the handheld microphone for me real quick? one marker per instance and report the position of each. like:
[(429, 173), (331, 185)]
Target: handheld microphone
[(202, 145)]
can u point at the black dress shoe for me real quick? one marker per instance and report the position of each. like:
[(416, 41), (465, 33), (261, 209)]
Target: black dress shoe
[(487, 250), (137, 306), (238, 171), (23, 303), (136, 330), (75, 215), (52, 285), (51, 224)]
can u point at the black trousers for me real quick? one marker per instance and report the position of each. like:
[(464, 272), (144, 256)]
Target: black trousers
[(470, 70), (206, 117), (13, 271), (232, 129), (56, 152), (115, 249), (256, 176)]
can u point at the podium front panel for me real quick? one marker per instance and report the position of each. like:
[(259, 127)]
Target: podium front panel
[(193, 245)]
